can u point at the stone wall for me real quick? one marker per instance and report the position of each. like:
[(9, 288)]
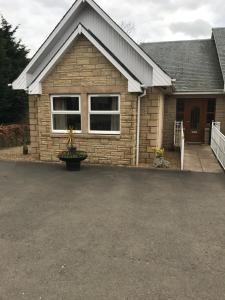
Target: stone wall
[(151, 124), (161, 119), (34, 129), (220, 112), (169, 118), (84, 70)]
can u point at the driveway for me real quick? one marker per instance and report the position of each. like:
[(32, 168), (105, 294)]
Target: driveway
[(110, 233)]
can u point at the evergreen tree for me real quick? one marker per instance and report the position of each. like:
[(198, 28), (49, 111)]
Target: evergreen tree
[(13, 104)]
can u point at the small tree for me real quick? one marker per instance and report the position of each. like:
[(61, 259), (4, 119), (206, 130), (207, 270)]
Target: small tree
[(13, 59)]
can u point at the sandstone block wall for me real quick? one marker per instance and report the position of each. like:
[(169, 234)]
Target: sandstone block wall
[(34, 128), (169, 118), (151, 124), (84, 70)]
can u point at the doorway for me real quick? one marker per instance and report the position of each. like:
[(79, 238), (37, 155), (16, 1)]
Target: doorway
[(197, 116)]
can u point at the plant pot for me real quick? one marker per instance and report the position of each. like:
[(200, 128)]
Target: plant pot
[(160, 162), (72, 149), (72, 163)]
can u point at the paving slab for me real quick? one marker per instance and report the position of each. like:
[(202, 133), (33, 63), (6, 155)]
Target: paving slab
[(200, 158)]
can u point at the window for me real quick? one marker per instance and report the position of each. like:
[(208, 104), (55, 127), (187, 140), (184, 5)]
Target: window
[(65, 113), (180, 110), (104, 114), (211, 107)]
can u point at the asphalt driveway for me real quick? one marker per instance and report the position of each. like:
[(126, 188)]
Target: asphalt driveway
[(110, 233)]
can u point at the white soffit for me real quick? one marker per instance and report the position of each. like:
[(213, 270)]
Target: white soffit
[(35, 87), (21, 81), (161, 78), (156, 77)]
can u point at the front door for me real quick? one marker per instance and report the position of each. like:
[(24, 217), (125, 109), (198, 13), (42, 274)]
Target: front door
[(197, 115), (194, 121)]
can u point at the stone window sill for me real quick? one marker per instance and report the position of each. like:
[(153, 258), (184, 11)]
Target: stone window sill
[(87, 136)]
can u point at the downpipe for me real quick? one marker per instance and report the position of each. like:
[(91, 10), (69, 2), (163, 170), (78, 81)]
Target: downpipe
[(138, 124)]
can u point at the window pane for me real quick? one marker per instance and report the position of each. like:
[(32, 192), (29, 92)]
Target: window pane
[(211, 106), (104, 103), (65, 103), (180, 106), (195, 118), (64, 122), (105, 122)]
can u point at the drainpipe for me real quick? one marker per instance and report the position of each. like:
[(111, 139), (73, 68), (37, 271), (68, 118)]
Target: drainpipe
[(138, 124)]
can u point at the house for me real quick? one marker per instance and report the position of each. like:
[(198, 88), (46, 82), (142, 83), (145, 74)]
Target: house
[(121, 98)]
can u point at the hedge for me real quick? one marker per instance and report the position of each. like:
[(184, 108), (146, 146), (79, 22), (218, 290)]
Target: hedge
[(14, 135)]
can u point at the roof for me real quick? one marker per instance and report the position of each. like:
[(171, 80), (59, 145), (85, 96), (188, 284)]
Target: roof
[(111, 53), (193, 63), (93, 18), (219, 37), (133, 84)]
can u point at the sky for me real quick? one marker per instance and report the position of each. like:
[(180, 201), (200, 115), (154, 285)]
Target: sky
[(153, 20)]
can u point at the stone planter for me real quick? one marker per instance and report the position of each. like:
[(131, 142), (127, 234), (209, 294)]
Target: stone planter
[(160, 162)]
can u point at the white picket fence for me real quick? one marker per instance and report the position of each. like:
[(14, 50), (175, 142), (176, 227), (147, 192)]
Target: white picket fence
[(179, 140), (218, 143)]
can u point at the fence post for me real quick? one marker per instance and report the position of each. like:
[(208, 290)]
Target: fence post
[(179, 142)]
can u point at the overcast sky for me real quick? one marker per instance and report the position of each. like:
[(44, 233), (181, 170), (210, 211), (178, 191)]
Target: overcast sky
[(155, 20)]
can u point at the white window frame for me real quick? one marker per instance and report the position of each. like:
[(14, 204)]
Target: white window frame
[(65, 112), (103, 112)]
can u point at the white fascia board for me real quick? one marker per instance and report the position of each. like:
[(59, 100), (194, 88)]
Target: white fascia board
[(160, 78), (35, 87), (163, 78), (215, 92), (133, 85), (21, 82), (219, 57)]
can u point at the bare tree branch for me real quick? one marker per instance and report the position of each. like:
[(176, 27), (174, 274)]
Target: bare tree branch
[(128, 27)]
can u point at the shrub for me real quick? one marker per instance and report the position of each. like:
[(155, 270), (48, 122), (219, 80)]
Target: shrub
[(158, 152), (14, 135)]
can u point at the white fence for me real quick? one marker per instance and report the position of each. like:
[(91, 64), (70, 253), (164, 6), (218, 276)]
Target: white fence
[(179, 140), (218, 143)]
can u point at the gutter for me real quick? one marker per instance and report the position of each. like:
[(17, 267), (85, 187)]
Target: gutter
[(215, 92), (138, 124)]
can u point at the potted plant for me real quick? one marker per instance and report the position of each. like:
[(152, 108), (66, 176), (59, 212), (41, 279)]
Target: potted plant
[(72, 157), (159, 161)]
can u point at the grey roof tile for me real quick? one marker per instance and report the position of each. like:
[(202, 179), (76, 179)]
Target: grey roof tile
[(194, 64), (219, 37)]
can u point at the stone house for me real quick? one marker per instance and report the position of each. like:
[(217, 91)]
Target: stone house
[(120, 98)]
